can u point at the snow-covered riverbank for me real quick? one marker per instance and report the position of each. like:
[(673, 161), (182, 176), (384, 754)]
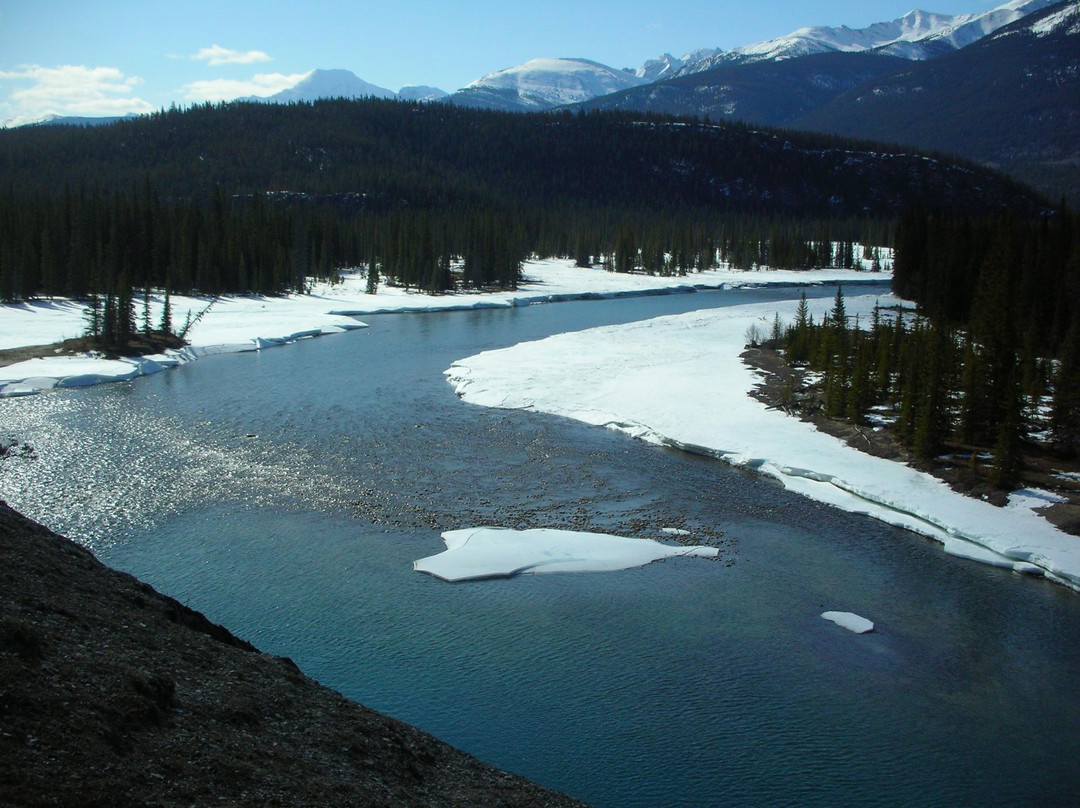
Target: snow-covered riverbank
[(679, 381), (248, 323), (675, 380)]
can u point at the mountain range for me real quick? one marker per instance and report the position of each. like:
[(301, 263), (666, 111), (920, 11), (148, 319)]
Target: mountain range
[(916, 36), (344, 84), (1010, 99), (1000, 86)]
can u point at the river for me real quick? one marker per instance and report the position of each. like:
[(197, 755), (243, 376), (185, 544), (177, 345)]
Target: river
[(286, 493)]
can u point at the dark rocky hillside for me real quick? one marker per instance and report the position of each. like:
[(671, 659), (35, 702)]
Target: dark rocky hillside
[(114, 695), (770, 93)]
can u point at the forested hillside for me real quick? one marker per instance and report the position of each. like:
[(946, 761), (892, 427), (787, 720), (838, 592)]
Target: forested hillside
[(257, 197), (438, 156)]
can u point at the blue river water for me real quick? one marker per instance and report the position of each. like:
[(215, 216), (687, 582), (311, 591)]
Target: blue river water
[(286, 493)]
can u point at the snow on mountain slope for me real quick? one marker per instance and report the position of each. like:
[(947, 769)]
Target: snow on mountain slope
[(912, 27), (663, 67), (544, 83), (421, 92), (328, 84), (966, 29), (917, 35), (1067, 19)]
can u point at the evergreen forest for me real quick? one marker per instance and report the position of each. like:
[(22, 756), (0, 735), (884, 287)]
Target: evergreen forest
[(255, 197), (246, 197), (991, 354)]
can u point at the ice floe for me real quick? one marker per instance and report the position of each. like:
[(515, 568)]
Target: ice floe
[(493, 552), (850, 621)]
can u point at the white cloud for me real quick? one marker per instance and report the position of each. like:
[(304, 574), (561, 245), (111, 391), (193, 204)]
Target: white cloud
[(70, 90), (216, 55), (261, 84)]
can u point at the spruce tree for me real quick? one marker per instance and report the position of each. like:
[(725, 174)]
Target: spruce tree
[(1007, 464), (166, 324)]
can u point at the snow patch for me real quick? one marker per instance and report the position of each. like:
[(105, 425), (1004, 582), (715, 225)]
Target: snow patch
[(1032, 498)]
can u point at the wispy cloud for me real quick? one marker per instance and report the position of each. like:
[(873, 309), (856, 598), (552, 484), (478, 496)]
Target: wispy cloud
[(216, 55), (70, 90), (261, 84)]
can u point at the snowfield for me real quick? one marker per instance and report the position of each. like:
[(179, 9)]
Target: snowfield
[(678, 381)]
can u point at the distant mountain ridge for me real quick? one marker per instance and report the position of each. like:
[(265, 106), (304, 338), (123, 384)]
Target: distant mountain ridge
[(917, 35), (1029, 124), (769, 92), (544, 84), (343, 84)]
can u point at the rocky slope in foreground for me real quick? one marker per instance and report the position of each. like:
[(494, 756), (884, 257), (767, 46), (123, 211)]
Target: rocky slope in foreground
[(112, 694)]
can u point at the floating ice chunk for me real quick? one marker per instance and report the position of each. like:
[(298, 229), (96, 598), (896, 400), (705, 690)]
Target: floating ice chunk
[(675, 531), (494, 552), (850, 621)]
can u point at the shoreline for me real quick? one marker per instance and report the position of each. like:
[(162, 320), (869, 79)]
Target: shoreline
[(692, 391), (1061, 506), (704, 370), (242, 323)]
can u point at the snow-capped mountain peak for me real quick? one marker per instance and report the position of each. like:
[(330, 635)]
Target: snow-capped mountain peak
[(328, 84), (968, 28), (917, 35), (913, 26), (543, 83), (663, 67), (421, 92)]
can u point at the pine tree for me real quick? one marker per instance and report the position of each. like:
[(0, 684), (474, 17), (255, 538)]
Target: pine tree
[(1007, 460), (1065, 409), (372, 277), (799, 333), (860, 390), (166, 324), (932, 423)]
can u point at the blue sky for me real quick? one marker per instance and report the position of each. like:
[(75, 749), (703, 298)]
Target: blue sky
[(106, 58)]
